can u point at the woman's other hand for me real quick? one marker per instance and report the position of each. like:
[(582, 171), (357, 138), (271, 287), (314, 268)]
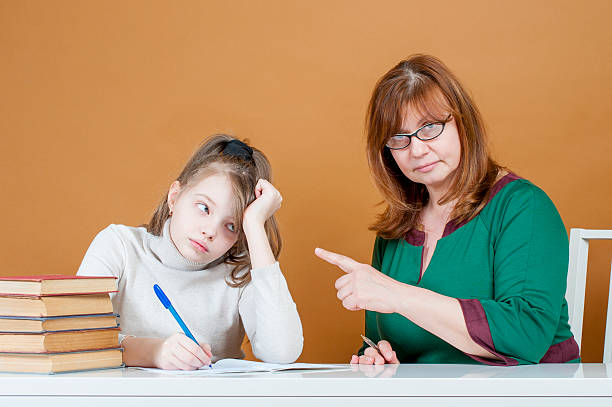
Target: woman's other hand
[(372, 357)]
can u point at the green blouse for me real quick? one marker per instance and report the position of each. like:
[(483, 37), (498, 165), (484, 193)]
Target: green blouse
[(508, 269)]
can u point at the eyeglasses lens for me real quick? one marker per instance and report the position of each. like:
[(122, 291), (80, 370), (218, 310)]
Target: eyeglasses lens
[(428, 132)]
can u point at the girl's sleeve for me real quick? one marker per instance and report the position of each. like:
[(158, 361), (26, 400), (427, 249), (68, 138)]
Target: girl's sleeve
[(105, 255), (270, 317), (530, 272)]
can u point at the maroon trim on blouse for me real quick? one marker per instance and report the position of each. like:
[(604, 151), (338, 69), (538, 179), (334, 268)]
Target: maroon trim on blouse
[(502, 182), (422, 261), (478, 328), (451, 226), (562, 352), (416, 237)]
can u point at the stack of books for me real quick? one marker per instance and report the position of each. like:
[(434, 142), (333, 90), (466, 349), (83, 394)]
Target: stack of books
[(57, 323)]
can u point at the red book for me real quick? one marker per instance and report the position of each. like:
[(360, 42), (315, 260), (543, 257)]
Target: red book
[(56, 284)]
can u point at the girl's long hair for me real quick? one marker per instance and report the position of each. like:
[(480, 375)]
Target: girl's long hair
[(244, 174), (424, 84)]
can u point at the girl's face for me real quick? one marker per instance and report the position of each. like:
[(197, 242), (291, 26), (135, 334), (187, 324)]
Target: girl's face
[(202, 222), (431, 162)]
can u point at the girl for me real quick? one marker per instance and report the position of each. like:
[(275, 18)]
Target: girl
[(211, 245), (470, 261)]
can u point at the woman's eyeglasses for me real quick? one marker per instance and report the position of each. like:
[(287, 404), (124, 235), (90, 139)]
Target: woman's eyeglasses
[(426, 132)]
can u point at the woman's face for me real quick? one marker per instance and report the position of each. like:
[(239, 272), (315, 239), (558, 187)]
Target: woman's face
[(431, 162), (202, 222)]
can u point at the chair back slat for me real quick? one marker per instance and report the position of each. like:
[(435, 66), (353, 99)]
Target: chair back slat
[(576, 285)]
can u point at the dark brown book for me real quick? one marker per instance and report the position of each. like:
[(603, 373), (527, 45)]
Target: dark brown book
[(60, 362), (65, 341), (56, 305)]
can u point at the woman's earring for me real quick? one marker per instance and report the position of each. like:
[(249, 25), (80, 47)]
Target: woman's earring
[(170, 212)]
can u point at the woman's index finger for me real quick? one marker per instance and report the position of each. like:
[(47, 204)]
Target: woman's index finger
[(344, 262)]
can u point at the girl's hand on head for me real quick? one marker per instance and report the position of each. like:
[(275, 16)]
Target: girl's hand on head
[(362, 287), (372, 357), (178, 352), (267, 201)]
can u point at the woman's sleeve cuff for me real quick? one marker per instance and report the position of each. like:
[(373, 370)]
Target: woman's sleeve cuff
[(479, 330)]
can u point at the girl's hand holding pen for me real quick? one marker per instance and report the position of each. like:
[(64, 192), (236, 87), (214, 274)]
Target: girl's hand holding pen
[(267, 201), (178, 352)]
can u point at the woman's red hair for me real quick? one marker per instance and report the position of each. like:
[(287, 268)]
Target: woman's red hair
[(422, 83)]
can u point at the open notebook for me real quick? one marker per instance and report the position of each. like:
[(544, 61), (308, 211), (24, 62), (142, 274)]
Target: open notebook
[(246, 366)]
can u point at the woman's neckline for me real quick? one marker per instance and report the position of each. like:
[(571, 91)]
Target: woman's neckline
[(416, 237)]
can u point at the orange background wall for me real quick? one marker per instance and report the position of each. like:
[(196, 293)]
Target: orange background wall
[(102, 102)]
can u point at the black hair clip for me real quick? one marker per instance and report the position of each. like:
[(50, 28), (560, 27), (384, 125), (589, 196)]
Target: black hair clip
[(237, 148)]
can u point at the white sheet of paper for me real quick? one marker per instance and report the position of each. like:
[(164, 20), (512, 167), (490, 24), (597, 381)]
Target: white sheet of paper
[(245, 366)]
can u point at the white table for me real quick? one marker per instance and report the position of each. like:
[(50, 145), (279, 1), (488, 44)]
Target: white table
[(405, 385)]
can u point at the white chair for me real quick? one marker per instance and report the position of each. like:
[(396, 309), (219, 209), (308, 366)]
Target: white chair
[(576, 285)]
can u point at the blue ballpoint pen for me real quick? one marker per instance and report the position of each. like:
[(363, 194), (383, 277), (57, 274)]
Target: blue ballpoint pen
[(166, 302)]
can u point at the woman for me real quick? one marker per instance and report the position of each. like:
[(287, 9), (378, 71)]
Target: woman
[(470, 260)]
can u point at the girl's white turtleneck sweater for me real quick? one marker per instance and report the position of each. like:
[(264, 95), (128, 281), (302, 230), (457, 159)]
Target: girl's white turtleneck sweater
[(214, 312)]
